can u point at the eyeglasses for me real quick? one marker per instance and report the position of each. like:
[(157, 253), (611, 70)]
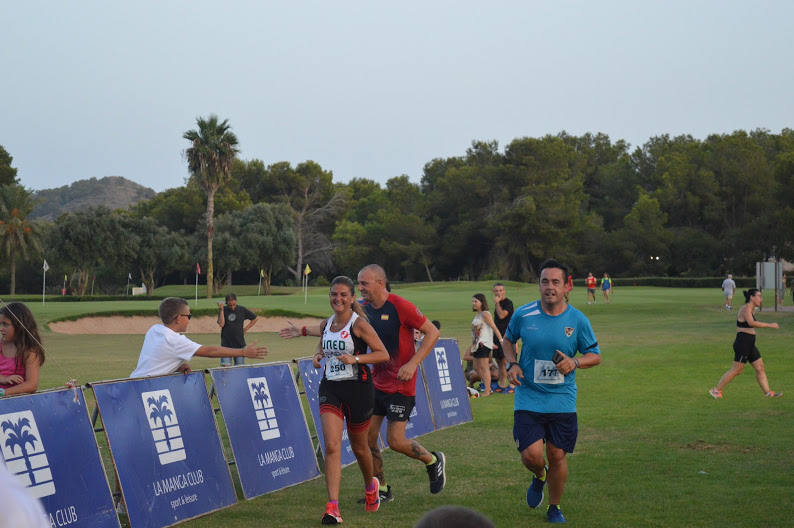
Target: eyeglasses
[(188, 315)]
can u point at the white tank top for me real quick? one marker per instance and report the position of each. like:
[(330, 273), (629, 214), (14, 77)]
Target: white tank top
[(486, 332), (335, 344)]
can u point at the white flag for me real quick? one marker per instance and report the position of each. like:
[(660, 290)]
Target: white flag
[(129, 276), (46, 266)]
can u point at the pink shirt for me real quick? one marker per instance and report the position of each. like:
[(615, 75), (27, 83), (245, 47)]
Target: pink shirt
[(10, 366)]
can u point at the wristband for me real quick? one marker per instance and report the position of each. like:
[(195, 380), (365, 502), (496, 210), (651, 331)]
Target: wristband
[(303, 331), (2, 392), (576, 361), (510, 365)]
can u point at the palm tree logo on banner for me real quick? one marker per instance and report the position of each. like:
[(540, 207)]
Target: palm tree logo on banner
[(443, 369), (167, 436), (263, 407), (23, 452)]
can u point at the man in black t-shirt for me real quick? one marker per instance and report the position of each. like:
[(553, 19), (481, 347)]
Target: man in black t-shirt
[(231, 319), (502, 312)]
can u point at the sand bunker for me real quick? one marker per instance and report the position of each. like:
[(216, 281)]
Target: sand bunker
[(139, 324)]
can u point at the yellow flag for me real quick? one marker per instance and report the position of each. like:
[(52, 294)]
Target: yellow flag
[(262, 273), (307, 270)]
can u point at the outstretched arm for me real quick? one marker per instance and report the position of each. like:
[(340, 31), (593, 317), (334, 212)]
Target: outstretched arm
[(293, 331), (251, 351)]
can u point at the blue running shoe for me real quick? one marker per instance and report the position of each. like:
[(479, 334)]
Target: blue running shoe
[(535, 490), (554, 514)]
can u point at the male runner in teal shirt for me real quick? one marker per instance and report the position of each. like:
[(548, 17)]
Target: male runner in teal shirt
[(551, 332)]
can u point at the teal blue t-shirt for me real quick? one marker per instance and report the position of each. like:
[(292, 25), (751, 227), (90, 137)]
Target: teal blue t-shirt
[(543, 388)]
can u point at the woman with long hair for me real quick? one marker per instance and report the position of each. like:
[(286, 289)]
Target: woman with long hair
[(21, 353), (483, 330), (346, 392), (744, 349)]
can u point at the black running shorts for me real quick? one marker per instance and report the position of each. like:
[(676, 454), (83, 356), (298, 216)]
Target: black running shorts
[(349, 399), (395, 407), (744, 349)]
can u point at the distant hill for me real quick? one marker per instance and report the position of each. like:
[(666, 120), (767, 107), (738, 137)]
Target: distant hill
[(113, 192)]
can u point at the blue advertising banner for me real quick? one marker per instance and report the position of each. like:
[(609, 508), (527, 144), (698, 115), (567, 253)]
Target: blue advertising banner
[(446, 385), (266, 425), (164, 441), (311, 382), (47, 441), (420, 421)]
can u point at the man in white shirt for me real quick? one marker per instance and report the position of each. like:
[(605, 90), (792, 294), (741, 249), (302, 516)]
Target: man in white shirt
[(165, 350), (728, 287)]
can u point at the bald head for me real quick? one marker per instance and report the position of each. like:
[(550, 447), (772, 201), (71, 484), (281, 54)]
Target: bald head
[(378, 272), (372, 285)]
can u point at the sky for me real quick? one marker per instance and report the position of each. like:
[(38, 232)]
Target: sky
[(373, 89)]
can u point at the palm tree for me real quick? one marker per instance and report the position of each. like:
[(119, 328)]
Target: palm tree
[(260, 395), (17, 233), (160, 411), (19, 436), (209, 158)]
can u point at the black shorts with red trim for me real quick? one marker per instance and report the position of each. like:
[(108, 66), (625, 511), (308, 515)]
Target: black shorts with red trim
[(351, 400)]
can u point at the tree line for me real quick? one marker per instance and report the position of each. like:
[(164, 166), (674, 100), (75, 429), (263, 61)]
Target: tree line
[(675, 206)]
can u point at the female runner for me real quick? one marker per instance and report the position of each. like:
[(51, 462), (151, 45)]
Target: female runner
[(346, 392), (744, 347)]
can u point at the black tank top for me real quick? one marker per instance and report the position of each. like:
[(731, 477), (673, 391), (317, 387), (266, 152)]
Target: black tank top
[(744, 324)]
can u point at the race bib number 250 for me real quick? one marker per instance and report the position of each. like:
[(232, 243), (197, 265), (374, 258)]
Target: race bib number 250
[(335, 370)]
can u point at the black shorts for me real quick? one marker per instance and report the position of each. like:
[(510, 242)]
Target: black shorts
[(482, 352), (744, 349), (561, 429), (352, 400), (395, 407), (498, 353)]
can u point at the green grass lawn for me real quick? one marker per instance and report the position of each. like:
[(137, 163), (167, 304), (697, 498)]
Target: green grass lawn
[(654, 449)]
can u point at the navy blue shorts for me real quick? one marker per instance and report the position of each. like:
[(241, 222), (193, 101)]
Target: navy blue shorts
[(561, 429)]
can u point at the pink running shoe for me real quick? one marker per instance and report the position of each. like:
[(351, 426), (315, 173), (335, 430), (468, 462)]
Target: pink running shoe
[(716, 394), (372, 498), (332, 515)]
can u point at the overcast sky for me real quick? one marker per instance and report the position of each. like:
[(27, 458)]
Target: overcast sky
[(374, 89)]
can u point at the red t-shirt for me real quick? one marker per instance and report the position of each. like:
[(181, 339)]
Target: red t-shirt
[(394, 322), (590, 282)]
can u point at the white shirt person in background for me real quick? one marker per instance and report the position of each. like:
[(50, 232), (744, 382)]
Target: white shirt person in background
[(165, 350), (728, 287)]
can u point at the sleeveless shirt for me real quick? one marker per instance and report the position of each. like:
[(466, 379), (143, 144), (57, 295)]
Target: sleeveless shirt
[(335, 344)]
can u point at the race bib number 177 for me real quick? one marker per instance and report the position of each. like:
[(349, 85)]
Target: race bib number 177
[(546, 372)]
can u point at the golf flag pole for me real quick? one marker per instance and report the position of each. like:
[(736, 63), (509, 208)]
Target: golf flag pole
[(306, 272), (198, 272), (44, 283), (261, 275), (129, 278)]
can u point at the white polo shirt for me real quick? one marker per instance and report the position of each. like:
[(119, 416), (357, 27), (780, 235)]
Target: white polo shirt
[(18, 508), (163, 351)]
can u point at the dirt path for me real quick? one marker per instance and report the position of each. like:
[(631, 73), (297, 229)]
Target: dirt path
[(139, 324)]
